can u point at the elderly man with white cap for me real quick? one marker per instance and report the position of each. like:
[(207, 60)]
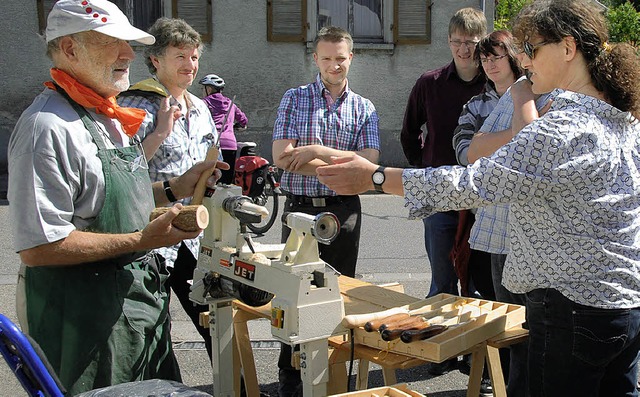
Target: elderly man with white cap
[(89, 291)]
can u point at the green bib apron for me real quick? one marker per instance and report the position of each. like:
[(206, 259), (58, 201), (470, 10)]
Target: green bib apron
[(106, 322)]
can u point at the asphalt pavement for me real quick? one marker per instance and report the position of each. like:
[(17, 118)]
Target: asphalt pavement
[(391, 250)]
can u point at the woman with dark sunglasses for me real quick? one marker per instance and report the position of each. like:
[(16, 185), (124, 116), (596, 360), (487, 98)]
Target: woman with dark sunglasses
[(572, 180)]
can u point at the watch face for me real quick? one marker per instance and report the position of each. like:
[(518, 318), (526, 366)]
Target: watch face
[(378, 177)]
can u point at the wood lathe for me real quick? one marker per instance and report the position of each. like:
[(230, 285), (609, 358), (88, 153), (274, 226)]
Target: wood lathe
[(307, 308)]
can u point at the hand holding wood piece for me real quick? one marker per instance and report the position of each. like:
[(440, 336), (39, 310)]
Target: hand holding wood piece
[(190, 219)]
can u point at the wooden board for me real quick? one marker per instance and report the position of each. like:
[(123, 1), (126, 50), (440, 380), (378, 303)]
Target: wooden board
[(491, 319), (387, 391)]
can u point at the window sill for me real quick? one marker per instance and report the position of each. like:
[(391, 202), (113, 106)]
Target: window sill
[(385, 48)]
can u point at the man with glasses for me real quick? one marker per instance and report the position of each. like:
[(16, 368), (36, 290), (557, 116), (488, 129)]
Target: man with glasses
[(431, 116)]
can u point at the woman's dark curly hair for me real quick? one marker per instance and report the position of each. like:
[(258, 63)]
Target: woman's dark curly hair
[(501, 39), (614, 68)]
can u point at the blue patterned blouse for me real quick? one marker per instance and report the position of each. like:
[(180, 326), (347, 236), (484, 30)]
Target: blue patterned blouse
[(573, 183)]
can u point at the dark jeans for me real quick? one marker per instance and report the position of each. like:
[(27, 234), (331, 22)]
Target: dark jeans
[(577, 350), (179, 281), (515, 357), (439, 236), (341, 254)]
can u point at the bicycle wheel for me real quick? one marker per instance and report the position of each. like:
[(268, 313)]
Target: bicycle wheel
[(269, 200)]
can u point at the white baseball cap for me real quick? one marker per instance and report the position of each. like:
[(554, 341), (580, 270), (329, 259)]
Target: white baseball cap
[(75, 16)]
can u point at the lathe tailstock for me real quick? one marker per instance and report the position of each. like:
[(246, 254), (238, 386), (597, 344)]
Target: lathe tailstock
[(307, 308)]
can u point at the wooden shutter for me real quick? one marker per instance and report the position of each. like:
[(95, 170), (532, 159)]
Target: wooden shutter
[(412, 21), (197, 13), (141, 14), (44, 6), (286, 20), (145, 13)]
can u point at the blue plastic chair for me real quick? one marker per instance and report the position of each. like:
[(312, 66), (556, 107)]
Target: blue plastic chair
[(32, 369), (26, 363)]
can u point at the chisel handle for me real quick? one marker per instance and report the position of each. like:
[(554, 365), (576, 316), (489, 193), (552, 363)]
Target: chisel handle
[(359, 320), (379, 325), (422, 334), (405, 322), (390, 334)]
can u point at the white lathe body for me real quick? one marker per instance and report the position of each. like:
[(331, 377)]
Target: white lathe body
[(307, 308)]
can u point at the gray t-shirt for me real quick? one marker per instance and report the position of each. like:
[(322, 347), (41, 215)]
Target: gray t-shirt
[(56, 184)]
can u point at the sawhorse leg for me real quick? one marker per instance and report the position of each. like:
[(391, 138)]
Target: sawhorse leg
[(478, 355), (362, 379), (314, 364), (221, 330), (245, 359)]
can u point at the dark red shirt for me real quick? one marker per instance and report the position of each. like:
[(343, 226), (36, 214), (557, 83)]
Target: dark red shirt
[(436, 100)]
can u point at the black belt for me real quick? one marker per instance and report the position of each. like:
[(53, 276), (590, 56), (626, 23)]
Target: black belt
[(317, 202)]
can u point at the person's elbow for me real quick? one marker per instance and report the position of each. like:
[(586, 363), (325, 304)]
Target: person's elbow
[(279, 162), (462, 155), (278, 149), (31, 256), (473, 152)]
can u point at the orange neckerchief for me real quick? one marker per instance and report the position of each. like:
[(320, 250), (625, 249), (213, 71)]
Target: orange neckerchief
[(130, 118)]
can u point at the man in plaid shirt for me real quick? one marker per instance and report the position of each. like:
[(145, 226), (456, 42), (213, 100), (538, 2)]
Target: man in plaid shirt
[(314, 122)]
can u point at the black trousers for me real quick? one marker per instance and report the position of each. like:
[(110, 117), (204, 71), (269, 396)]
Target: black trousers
[(341, 254), (179, 281), (229, 157)]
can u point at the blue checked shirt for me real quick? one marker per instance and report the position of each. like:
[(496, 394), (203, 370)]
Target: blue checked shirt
[(571, 179), (192, 136), (304, 115), (490, 231)]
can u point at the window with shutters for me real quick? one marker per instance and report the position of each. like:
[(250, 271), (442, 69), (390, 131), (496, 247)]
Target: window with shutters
[(197, 13), (362, 18), (368, 21), (143, 14)]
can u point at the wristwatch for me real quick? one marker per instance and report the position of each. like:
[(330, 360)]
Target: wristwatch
[(378, 179), (167, 190)]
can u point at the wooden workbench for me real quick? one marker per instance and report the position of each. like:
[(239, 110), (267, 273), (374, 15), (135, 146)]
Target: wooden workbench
[(359, 298)]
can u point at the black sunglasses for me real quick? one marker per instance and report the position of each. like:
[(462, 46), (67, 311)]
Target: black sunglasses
[(530, 49)]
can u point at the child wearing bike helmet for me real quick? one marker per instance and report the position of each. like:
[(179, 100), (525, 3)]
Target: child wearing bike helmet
[(226, 115)]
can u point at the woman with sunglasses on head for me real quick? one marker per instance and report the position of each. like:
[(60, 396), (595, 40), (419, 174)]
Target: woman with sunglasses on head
[(572, 179)]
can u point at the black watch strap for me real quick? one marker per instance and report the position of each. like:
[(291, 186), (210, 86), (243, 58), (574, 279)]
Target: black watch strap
[(378, 186), (168, 191)]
